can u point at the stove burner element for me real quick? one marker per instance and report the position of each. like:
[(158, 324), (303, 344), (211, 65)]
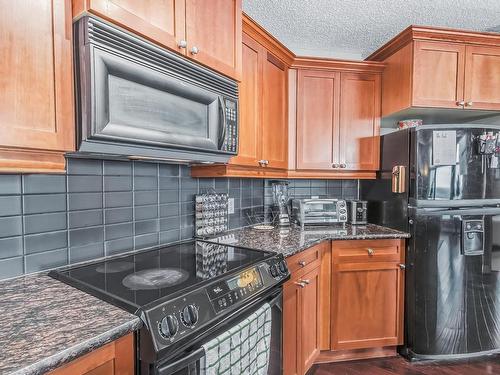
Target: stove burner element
[(115, 267), (155, 278)]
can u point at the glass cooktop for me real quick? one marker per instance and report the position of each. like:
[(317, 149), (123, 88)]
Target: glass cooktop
[(141, 278)]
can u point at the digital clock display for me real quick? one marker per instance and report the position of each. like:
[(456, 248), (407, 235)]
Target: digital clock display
[(245, 278)]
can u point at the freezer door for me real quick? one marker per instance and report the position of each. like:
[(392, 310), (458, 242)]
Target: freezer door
[(453, 167), (453, 286)]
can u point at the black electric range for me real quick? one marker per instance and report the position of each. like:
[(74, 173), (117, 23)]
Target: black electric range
[(182, 292)]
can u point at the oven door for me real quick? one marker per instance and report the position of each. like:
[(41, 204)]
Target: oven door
[(188, 363)]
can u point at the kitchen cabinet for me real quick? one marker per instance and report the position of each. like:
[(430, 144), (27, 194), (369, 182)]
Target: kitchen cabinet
[(274, 112), (263, 108), (359, 130), (367, 294), (36, 96), (337, 120), (115, 358), (482, 77), (318, 102), (206, 31), (440, 69), (302, 315)]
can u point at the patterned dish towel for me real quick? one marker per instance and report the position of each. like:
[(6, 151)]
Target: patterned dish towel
[(242, 350)]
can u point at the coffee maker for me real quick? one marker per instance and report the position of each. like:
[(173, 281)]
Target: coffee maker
[(281, 198)]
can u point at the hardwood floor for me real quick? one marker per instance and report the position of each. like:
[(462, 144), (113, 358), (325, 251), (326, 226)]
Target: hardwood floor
[(399, 366)]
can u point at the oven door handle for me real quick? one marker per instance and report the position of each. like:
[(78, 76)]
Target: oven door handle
[(180, 364)]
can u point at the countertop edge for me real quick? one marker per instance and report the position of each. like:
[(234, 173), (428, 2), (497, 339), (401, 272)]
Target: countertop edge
[(67, 355)]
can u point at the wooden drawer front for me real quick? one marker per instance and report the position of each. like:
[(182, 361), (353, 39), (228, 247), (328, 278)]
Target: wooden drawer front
[(367, 250), (304, 259)]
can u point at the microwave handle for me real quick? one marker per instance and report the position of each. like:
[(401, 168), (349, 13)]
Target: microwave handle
[(182, 363), (222, 132)]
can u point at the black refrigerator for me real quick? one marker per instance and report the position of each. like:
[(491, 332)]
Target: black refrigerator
[(441, 183)]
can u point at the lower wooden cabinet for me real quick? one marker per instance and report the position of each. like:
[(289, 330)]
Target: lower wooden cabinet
[(115, 358), (344, 301), (367, 294), (302, 312)]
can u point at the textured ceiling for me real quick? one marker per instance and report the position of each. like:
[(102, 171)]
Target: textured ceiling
[(353, 29)]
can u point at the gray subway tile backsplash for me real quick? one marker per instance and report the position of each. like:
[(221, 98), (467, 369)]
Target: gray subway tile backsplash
[(11, 226), (10, 184), (102, 208), (10, 205)]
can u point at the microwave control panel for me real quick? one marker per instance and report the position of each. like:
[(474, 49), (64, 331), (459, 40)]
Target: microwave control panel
[(231, 137)]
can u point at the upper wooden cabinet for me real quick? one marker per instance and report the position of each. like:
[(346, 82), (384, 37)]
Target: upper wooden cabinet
[(482, 77), (206, 31), (274, 112), (36, 94), (335, 121), (317, 139), (263, 109), (359, 142), (440, 68)]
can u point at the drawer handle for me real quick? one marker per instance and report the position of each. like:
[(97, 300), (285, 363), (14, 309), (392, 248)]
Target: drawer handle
[(370, 251), (305, 281), (301, 284), (302, 263)]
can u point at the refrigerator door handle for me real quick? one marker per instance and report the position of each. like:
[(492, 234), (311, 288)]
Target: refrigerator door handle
[(466, 211)]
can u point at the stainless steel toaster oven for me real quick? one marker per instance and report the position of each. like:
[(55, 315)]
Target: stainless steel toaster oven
[(319, 211)]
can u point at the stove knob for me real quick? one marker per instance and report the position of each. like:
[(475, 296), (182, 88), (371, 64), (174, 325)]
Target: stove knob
[(169, 326), (273, 271), (283, 268), (190, 315)]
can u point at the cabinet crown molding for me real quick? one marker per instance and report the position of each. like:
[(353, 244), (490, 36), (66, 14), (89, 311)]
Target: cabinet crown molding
[(317, 63), (262, 36), (428, 33)]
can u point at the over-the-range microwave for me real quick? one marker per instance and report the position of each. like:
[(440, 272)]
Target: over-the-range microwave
[(137, 100)]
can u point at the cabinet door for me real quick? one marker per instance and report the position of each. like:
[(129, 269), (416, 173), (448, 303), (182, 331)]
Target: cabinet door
[(291, 308), (274, 113), (249, 145), (438, 74), (309, 322), (213, 28), (115, 358), (36, 95), (482, 78), (162, 21), (360, 121), (367, 306), (317, 119)]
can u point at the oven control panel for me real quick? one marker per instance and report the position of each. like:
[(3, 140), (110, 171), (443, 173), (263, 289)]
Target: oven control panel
[(226, 293), (178, 318)]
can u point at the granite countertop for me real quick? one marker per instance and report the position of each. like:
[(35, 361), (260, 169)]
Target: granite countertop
[(46, 323), (293, 240)]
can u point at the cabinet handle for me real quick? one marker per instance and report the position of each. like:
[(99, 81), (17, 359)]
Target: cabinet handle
[(302, 285), (335, 165), (402, 266), (182, 44), (469, 104), (461, 103), (343, 165), (194, 50), (263, 162), (302, 263), (370, 251), (305, 281)]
